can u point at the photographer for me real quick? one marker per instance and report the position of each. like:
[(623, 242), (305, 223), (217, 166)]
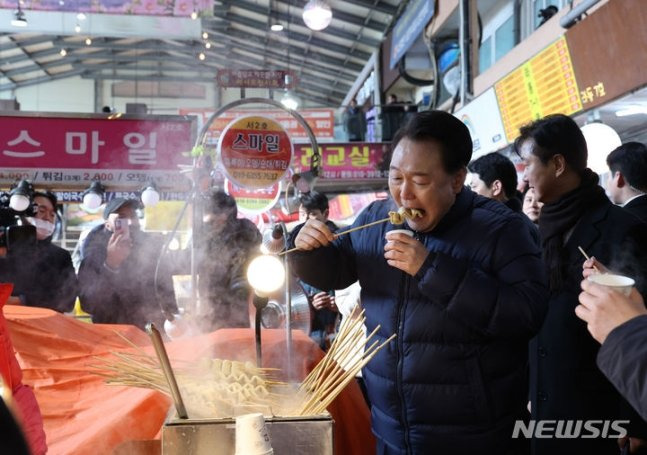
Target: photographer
[(117, 271), (43, 275)]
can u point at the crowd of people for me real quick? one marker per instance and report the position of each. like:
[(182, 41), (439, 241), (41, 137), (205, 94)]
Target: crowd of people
[(490, 310), (496, 320)]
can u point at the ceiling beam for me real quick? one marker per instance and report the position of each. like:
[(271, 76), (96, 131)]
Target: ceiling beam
[(339, 15), (300, 37), (292, 18), (380, 6)]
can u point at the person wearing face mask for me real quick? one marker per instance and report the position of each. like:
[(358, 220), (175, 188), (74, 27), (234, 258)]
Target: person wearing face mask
[(44, 276), (464, 295), (117, 273)]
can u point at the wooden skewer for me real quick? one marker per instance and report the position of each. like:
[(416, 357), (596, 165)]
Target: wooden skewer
[(587, 258)]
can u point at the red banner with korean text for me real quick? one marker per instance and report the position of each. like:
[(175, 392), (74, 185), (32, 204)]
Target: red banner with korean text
[(346, 161), (56, 151), (321, 122)]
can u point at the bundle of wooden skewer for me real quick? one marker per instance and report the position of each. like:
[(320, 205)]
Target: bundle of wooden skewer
[(348, 354), (215, 388), (210, 388)]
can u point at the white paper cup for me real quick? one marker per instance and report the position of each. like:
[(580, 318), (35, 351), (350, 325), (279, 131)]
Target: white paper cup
[(251, 435), (399, 231), (618, 282)]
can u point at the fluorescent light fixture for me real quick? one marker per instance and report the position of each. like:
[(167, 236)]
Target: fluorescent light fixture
[(601, 140), (276, 27), (631, 110), (19, 19)]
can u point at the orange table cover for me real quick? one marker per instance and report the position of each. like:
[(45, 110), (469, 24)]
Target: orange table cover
[(82, 414)]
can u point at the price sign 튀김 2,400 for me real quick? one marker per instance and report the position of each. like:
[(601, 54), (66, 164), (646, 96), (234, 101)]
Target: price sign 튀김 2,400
[(255, 151)]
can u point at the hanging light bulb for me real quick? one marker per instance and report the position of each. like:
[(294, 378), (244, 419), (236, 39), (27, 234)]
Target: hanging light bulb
[(150, 195), (205, 35), (207, 45), (93, 196), (317, 14), (289, 100), (63, 52), (88, 41), (194, 14), (276, 27), (77, 28), (81, 16), (201, 56)]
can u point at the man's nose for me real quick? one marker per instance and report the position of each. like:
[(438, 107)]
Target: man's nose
[(406, 191)]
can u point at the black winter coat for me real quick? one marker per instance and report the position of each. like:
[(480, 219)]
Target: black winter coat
[(638, 207), (565, 382), (623, 360), (43, 277), (455, 379), (127, 295)]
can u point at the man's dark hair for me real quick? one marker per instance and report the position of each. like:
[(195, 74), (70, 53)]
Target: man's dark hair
[(631, 160), (495, 166), (443, 128), (49, 195), (218, 201), (314, 200), (556, 134)]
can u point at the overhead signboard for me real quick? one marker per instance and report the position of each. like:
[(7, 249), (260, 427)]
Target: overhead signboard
[(346, 161), (321, 122), (254, 78), (484, 122), (543, 85), (255, 152), (610, 64), (409, 27), (127, 151)]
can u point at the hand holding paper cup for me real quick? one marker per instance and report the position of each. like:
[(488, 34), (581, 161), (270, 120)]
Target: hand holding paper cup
[(620, 283), (399, 231), (251, 435)]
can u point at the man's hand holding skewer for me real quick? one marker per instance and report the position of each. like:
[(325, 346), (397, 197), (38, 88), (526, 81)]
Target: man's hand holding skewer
[(313, 234)]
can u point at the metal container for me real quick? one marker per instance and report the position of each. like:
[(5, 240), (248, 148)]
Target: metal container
[(312, 435)]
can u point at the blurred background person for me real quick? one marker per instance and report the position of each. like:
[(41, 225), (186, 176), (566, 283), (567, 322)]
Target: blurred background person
[(628, 182), (531, 206), (355, 122), (43, 276), (494, 176), (315, 206), (117, 275), (227, 246)]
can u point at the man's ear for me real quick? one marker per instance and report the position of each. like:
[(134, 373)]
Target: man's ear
[(497, 188), (560, 164), (458, 180), (620, 179), (326, 213)]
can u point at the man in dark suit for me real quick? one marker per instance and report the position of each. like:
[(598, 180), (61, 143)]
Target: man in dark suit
[(565, 382), (628, 183)]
